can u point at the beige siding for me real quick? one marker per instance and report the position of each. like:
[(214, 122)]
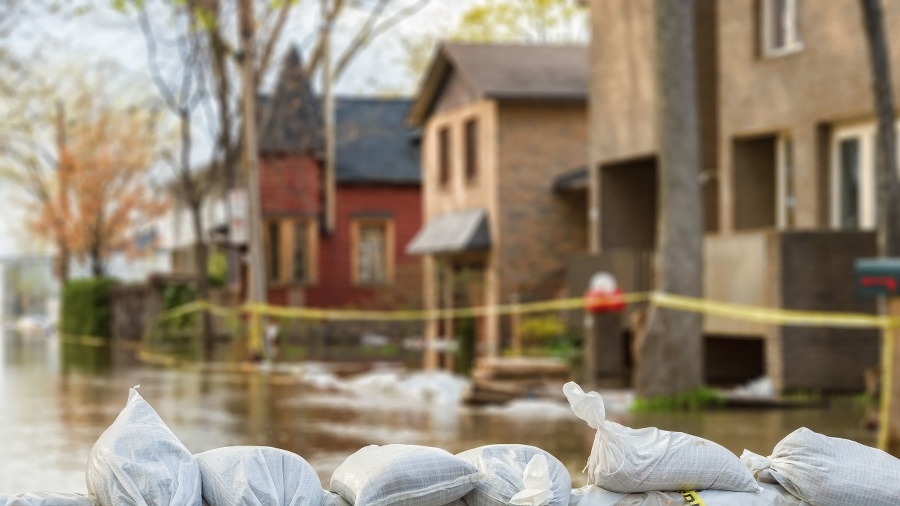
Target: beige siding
[(827, 82)]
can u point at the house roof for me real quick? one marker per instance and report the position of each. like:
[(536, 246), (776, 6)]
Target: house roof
[(505, 72), (293, 120), (373, 143)]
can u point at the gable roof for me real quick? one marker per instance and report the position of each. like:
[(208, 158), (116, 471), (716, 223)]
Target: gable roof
[(506, 72), (373, 143), (293, 119)]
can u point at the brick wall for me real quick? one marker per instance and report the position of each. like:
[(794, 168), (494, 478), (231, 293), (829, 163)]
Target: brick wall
[(816, 274), (539, 229), (290, 185)]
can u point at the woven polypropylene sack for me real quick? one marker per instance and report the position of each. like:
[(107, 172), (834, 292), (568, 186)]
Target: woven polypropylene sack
[(333, 499), (258, 476), (405, 475), (47, 499), (829, 471), (503, 468), (645, 460), (769, 495), (139, 461)]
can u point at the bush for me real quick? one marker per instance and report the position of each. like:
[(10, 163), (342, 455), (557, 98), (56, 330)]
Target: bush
[(87, 308), (700, 398), (541, 331)]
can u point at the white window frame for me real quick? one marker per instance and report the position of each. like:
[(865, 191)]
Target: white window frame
[(786, 202), (866, 135), (791, 25)]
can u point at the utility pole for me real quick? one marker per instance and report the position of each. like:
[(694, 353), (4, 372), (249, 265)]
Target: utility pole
[(328, 96), (257, 291)]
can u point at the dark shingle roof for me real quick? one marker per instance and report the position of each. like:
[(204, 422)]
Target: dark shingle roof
[(373, 143), (293, 121), (506, 71)]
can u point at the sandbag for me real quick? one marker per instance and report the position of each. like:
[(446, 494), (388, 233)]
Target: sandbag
[(829, 471), (645, 460), (405, 475), (769, 495), (520, 475), (333, 499), (139, 461), (258, 476), (47, 499)]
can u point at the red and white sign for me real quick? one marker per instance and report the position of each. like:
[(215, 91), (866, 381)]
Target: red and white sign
[(238, 232)]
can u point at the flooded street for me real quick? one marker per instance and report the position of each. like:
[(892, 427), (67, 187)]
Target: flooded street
[(52, 410)]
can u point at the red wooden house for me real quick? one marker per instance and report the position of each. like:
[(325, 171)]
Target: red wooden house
[(377, 200)]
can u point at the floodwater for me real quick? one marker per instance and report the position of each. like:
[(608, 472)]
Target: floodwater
[(53, 408)]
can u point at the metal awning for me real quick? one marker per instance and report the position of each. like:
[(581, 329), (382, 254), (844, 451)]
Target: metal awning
[(452, 233)]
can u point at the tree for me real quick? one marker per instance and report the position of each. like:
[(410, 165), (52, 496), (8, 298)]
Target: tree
[(671, 349), (85, 195), (889, 183), (889, 193)]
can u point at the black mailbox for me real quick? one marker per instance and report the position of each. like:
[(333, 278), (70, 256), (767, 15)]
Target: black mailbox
[(877, 276)]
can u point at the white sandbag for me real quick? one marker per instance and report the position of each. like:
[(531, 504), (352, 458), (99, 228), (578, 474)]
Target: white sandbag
[(47, 499), (829, 471), (258, 476), (139, 461), (520, 475), (578, 494), (645, 460), (769, 495), (405, 475), (333, 499)]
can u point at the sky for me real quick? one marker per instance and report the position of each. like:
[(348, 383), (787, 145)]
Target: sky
[(100, 37)]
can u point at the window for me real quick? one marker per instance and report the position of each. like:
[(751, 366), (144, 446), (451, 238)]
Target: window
[(853, 180), (780, 27), (373, 251), (444, 156), (471, 150), (290, 251), (274, 249)]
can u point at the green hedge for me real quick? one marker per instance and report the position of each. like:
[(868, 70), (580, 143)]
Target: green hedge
[(87, 308)]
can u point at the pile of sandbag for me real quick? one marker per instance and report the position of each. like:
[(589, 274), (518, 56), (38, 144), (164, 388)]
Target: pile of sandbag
[(652, 467), (139, 461)]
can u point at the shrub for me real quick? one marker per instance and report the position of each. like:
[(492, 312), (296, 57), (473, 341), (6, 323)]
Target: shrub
[(87, 308)]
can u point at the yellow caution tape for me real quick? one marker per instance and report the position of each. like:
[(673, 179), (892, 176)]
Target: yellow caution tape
[(772, 316), (692, 498), (741, 312)]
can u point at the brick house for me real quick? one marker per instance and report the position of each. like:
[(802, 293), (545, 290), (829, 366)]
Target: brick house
[(787, 142), (501, 124), (377, 202)]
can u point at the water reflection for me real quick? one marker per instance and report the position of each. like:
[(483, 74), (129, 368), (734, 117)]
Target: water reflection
[(54, 403)]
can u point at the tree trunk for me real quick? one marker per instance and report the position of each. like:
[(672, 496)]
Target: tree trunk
[(201, 265), (888, 183), (888, 211), (670, 352)]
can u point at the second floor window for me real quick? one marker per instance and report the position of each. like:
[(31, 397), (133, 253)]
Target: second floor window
[(444, 156), (780, 27), (471, 150)]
